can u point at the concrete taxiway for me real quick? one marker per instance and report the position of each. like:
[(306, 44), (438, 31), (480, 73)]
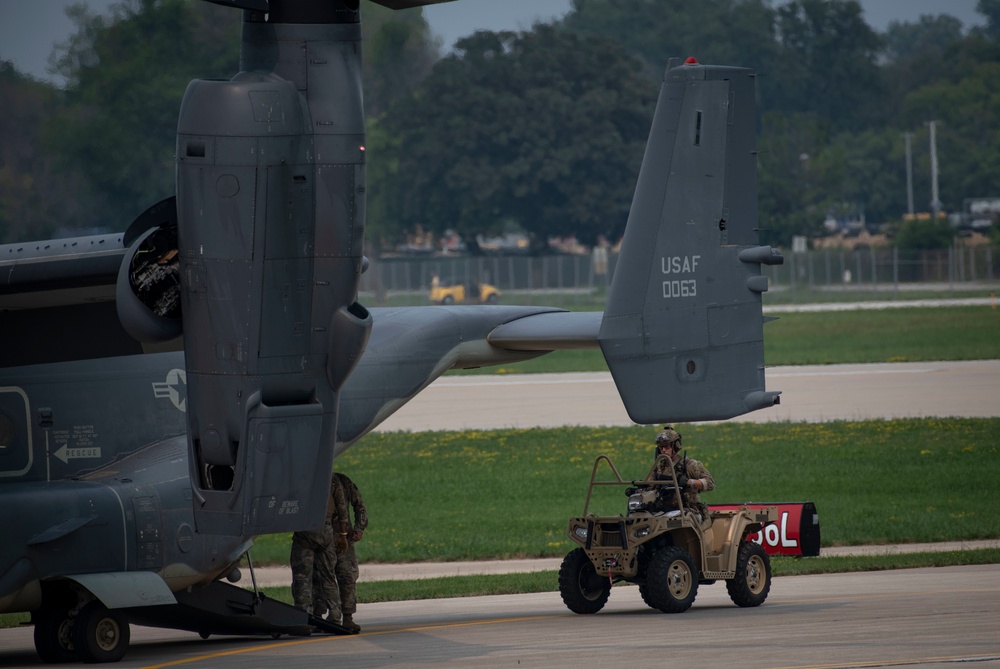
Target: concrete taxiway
[(915, 617), (810, 393)]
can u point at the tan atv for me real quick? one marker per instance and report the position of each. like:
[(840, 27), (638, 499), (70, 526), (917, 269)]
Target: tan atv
[(667, 553)]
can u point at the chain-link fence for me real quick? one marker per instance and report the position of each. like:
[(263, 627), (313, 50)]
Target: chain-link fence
[(508, 273), (877, 269), (882, 269)]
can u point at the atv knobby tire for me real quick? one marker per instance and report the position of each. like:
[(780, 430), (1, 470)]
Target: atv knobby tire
[(671, 580), (582, 588), (753, 576)]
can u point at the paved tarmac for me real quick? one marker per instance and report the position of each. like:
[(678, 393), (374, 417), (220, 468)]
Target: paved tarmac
[(812, 393), (936, 617)]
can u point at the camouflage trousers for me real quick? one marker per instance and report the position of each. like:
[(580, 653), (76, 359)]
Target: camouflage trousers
[(345, 575), (310, 562)]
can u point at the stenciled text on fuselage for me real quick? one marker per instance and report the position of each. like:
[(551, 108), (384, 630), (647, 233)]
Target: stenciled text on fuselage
[(679, 266)]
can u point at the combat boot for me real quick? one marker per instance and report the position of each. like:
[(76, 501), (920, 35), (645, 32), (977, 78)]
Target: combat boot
[(350, 624), (333, 618)]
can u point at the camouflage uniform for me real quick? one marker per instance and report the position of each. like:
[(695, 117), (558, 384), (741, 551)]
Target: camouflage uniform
[(310, 558), (335, 588), (347, 564), (693, 469)]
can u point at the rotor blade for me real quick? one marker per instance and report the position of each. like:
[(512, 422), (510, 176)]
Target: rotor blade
[(407, 4), (252, 5)]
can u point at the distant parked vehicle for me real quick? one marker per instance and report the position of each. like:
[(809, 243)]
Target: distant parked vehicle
[(456, 292)]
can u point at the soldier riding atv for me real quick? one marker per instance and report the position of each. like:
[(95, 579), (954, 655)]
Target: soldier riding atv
[(667, 553)]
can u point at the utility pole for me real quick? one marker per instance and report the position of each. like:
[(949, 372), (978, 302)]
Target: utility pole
[(935, 200), (908, 136)]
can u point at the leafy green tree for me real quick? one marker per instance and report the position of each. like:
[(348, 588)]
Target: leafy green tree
[(543, 128), (866, 170), (27, 208), (924, 235), (928, 38), (994, 235), (126, 74), (917, 54), (788, 200), (819, 63), (730, 32), (991, 10), (968, 132), (828, 62), (399, 52)]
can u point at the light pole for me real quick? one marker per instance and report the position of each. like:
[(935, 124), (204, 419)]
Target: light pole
[(935, 201), (908, 136)]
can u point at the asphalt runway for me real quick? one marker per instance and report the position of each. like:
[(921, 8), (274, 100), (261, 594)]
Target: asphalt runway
[(915, 617), (808, 393)]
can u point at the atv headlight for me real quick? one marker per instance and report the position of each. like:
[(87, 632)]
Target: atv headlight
[(640, 532), (635, 503), (581, 532)]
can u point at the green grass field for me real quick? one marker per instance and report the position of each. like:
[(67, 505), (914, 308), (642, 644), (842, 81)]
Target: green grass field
[(509, 493)]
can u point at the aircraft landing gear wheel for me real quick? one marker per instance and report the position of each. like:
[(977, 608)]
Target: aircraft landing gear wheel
[(100, 634), (54, 635), (583, 590), (672, 580), (753, 576)]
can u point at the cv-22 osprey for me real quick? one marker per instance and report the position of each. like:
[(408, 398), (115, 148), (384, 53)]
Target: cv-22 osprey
[(168, 393)]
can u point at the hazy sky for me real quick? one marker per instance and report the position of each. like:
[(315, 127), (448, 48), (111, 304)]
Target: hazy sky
[(30, 28)]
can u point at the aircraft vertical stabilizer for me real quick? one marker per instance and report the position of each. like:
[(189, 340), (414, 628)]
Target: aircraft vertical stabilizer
[(683, 329)]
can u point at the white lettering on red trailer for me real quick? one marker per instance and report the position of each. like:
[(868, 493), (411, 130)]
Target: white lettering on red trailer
[(776, 536)]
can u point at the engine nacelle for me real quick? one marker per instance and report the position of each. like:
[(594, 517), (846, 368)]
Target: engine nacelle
[(148, 295)]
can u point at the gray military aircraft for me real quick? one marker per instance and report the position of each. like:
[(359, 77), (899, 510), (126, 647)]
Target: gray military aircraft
[(168, 393)]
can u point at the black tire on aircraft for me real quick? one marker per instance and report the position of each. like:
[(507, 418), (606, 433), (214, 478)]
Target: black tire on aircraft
[(54, 635), (100, 634)]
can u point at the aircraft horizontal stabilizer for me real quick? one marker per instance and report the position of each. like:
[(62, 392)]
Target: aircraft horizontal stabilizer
[(683, 329)]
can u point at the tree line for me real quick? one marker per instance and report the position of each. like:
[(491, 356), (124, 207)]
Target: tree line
[(540, 131)]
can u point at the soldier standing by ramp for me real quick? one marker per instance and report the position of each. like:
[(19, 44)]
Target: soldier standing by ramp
[(311, 560), (346, 568)]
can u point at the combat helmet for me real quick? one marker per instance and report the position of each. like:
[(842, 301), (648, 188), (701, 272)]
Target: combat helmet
[(669, 437)]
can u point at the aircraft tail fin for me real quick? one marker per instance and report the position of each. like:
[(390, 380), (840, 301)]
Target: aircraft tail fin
[(682, 332)]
